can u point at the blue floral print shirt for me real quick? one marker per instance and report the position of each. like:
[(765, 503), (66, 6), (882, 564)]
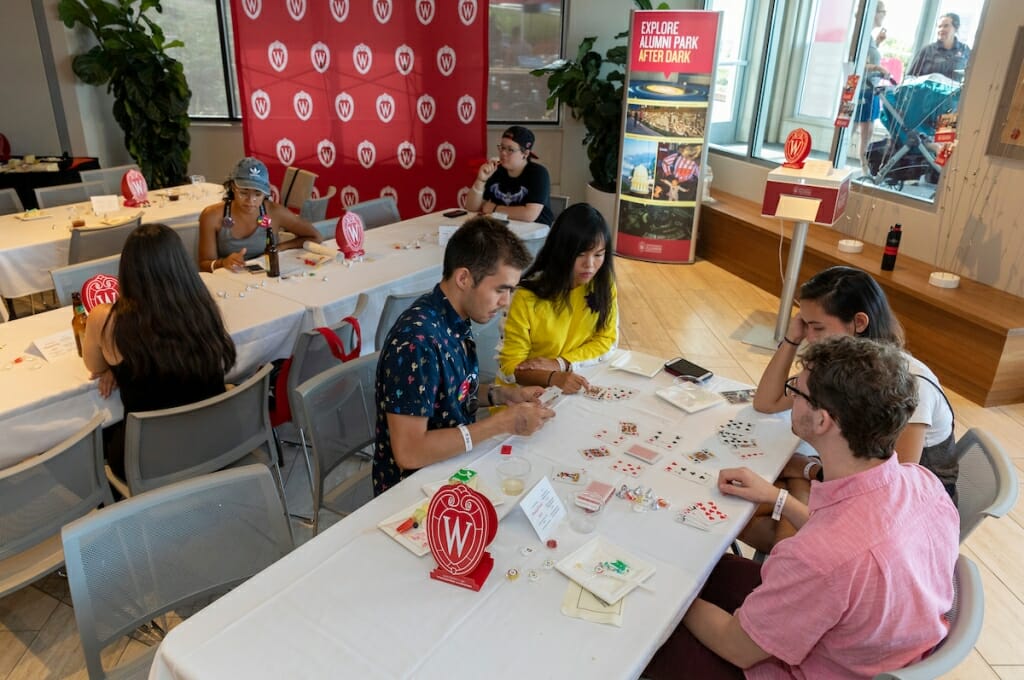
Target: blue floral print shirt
[(427, 368)]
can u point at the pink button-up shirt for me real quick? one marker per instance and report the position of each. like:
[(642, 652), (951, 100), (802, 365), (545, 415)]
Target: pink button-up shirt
[(864, 586)]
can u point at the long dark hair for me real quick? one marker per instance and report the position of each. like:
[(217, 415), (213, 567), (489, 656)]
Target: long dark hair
[(844, 291), (579, 228), (165, 321)]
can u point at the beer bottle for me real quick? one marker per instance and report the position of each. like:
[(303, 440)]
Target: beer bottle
[(78, 321), (270, 250)]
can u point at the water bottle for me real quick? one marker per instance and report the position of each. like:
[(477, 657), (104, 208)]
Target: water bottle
[(709, 177)]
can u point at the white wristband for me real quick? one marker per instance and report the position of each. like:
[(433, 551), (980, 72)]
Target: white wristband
[(466, 439), (779, 502), (807, 468), (562, 363)]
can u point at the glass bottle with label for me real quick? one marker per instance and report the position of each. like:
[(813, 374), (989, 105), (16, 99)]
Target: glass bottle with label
[(78, 321), (273, 265)]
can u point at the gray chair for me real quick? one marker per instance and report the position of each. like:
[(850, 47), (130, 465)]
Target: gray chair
[(169, 445), (326, 227), (168, 549), (558, 203), (297, 187), (394, 305), (69, 279), (92, 244), (189, 234), (315, 209), (40, 495), (338, 413), (66, 194), (10, 203), (377, 213), (110, 177), (987, 483), (487, 337), (965, 619)]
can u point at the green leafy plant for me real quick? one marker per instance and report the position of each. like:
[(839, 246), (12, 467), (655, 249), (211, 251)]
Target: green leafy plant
[(151, 95), (590, 86)]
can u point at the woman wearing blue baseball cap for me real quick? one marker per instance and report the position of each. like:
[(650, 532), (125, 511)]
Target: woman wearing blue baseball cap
[(513, 182), (229, 231)]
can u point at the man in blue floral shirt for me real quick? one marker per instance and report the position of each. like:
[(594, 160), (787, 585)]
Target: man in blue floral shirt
[(428, 387)]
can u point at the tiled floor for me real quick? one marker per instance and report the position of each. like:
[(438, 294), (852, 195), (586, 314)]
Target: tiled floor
[(698, 311)]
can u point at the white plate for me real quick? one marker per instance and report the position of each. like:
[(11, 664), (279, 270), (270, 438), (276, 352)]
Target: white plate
[(579, 566), (32, 215), (639, 363), (413, 540), (691, 398)]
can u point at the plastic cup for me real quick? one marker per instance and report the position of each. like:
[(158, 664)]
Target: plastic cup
[(581, 520), (513, 473)]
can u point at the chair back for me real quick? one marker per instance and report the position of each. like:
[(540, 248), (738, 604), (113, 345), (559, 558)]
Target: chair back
[(10, 202), (169, 548), (488, 337), (110, 177), (315, 209), (297, 187), (66, 194), (965, 619), (326, 227), (338, 413), (43, 493), (377, 212), (558, 203), (987, 482), (169, 445), (92, 244), (394, 305), (189, 234), (69, 279)]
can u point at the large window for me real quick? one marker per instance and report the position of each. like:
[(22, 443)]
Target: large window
[(523, 35), (783, 64)]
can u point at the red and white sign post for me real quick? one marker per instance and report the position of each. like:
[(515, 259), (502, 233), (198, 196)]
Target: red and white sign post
[(461, 523)]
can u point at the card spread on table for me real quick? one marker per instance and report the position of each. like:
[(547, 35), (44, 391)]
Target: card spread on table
[(610, 393), (690, 473), (628, 428), (613, 438), (627, 467), (747, 454), (737, 434), (702, 515), (643, 453), (738, 396), (595, 452), (665, 440), (702, 456)]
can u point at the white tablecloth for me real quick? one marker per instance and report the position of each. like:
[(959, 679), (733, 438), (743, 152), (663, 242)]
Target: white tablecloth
[(29, 249), (42, 403), (389, 267), (352, 602)]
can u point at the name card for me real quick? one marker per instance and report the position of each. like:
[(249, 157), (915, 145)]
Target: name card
[(543, 508), (56, 345), (444, 232), (102, 205)]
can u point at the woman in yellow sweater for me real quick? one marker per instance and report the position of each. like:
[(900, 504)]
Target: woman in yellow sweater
[(564, 314)]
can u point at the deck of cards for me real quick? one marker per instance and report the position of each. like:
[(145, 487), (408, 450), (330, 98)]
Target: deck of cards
[(690, 473), (737, 434), (702, 515)]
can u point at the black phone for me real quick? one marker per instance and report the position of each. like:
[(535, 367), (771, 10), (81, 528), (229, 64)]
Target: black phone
[(255, 268), (455, 213), (687, 370)]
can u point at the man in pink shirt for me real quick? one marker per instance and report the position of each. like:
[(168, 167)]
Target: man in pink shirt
[(864, 585)]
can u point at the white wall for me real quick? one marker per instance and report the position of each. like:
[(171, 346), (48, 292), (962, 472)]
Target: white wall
[(26, 117)]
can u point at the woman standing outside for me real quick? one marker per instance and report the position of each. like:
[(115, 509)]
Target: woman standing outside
[(565, 312), (513, 183)]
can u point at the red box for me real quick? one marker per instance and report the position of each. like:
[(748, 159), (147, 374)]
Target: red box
[(816, 180)]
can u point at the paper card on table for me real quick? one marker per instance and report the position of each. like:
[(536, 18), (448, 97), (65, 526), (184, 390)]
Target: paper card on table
[(102, 205), (543, 508), (56, 345), (444, 232), (580, 603)]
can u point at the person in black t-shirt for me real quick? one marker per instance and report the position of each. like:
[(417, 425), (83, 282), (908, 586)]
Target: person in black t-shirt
[(513, 183)]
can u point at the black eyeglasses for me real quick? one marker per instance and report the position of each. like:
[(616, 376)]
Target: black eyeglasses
[(790, 389)]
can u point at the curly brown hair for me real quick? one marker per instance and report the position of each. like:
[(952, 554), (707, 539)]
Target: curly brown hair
[(867, 388), (481, 245)]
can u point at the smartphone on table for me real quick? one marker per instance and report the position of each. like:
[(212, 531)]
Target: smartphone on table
[(454, 213), (687, 370), (255, 268)]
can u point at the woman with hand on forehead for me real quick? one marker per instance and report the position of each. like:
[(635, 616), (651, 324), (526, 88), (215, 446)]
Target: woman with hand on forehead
[(564, 314), (513, 183), (230, 231)]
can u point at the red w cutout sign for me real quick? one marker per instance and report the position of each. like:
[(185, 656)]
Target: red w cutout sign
[(133, 188), (798, 147), (348, 233), (101, 289), (461, 523)]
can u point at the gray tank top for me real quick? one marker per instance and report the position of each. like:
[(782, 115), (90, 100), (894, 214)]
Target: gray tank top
[(227, 244)]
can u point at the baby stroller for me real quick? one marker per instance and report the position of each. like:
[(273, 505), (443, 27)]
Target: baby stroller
[(909, 113)]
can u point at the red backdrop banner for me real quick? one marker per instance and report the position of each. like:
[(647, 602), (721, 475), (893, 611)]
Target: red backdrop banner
[(378, 97)]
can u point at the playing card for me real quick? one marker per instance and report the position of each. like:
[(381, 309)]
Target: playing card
[(628, 428), (665, 440), (710, 512), (627, 467), (595, 452), (702, 456), (692, 518), (740, 427), (690, 474), (595, 495), (738, 396), (595, 392), (737, 441), (611, 437), (569, 475), (618, 393), (750, 453), (644, 454)]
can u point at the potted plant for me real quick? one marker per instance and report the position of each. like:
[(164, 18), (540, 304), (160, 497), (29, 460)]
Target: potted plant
[(590, 86), (151, 95)]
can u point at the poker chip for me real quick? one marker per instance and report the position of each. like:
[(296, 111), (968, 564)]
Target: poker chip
[(512, 574), (552, 543), (526, 551), (533, 575), (549, 564)]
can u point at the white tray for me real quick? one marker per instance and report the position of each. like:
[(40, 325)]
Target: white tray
[(690, 398), (639, 363), (579, 566)]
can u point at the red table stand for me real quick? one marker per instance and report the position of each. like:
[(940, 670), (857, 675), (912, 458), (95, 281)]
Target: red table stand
[(348, 234), (461, 522), (101, 289), (134, 188)]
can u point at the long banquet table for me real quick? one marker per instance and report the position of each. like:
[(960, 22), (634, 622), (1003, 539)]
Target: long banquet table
[(352, 602), (43, 402), (31, 248)]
